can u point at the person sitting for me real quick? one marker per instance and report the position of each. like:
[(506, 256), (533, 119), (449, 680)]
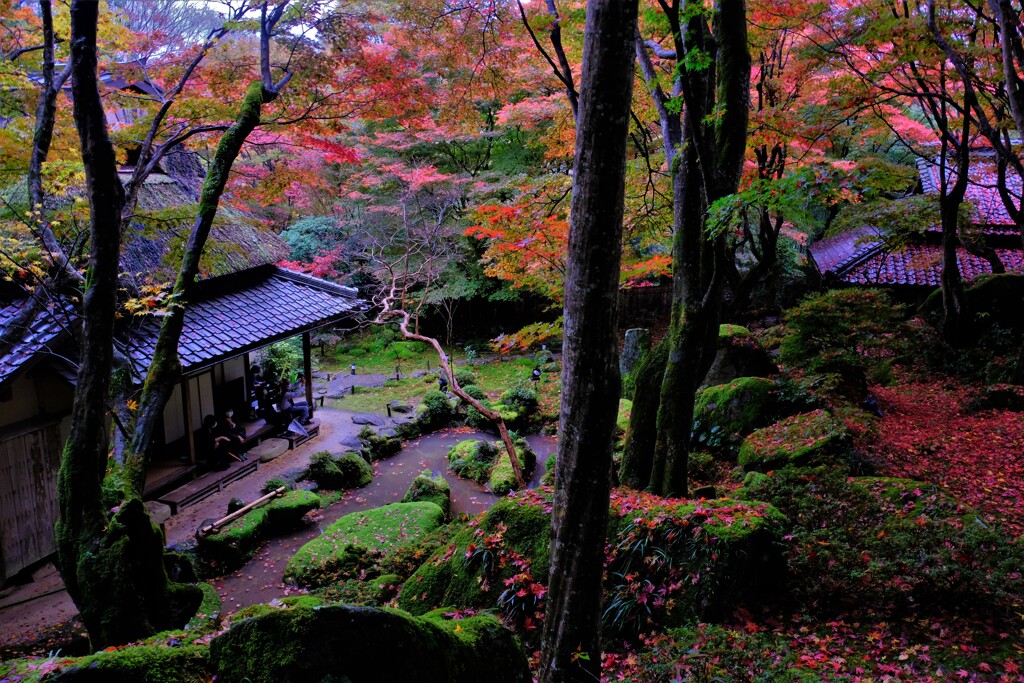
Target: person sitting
[(234, 432), (292, 404), (211, 449), (267, 409)]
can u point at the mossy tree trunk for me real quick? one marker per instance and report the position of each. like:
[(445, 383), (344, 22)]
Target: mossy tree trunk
[(112, 566), (570, 643), (705, 153), (638, 456)]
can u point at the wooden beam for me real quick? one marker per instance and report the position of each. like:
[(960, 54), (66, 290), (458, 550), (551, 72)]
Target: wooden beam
[(307, 369)]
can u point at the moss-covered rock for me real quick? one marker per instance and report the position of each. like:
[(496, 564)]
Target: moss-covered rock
[(725, 413), (357, 540), (339, 472), (377, 446), (466, 571), (738, 355), (363, 645), (432, 489), (472, 459), (140, 664), (233, 545), (800, 440), (502, 478), (702, 557)]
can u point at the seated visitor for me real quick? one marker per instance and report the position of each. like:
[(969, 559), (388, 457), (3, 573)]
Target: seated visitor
[(212, 450), (234, 432), (292, 404)]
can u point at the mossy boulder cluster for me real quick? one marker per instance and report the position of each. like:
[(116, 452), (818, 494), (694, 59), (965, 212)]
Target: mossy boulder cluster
[(339, 472), (435, 411), (518, 407), (356, 541), (814, 438), (725, 413), (431, 488), (233, 545), (488, 461), (362, 645), (378, 446)]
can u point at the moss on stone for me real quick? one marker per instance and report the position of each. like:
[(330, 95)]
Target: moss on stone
[(450, 578), (432, 489), (140, 664), (234, 545), (725, 413), (502, 478), (800, 440), (434, 411), (368, 593), (357, 540), (342, 642)]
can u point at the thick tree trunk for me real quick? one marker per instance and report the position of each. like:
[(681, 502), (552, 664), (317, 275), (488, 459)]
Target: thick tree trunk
[(570, 643), (165, 370), (638, 456), (112, 567)]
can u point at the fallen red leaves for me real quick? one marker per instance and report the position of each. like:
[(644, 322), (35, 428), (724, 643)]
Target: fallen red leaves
[(929, 433)]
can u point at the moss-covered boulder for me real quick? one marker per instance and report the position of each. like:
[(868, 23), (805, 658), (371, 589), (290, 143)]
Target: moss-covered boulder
[(358, 540), (700, 558), (813, 438), (378, 446), (431, 488), (472, 459), (725, 413), (139, 664), (468, 571), (365, 645), (738, 355), (234, 545), (339, 472), (502, 478)]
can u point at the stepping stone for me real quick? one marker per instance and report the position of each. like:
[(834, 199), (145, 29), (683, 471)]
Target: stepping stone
[(158, 512), (269, 449), (367, 419)]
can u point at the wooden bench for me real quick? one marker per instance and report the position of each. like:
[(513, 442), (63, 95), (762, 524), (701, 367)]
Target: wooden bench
[(207, 484), (256, 431), (160, 476)]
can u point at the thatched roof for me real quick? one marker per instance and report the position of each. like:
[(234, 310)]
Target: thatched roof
[(166, 211)]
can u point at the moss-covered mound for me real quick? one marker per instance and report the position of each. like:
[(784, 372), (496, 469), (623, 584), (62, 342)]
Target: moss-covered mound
[(139, 664), (365, 645), (502, 478), (234, 545), (472, 459), (355, 541), (725, 413), (339, 472), (431, 489), (739, 355), (377, 446), (806, 439), (469, 571), (672, 563)]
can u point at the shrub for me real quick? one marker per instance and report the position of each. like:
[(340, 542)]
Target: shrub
[(845, 332), (520, 396), (434, 412), (346, 471), (465, 377), (276, 483)]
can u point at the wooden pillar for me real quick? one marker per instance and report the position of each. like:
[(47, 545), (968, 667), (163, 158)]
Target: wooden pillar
[(190, 438), (307, 370)]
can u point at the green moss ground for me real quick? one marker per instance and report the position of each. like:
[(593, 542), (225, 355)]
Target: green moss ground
[(804, 439)]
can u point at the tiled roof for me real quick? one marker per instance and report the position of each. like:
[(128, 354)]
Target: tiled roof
[(922, 265), (47, 326), (233, 315), (838, 253), (981, 189)]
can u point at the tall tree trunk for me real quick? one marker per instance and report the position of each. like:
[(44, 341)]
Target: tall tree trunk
[(570, 643), (716, 100), (638, 456), (112, 567), (165, 369)]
